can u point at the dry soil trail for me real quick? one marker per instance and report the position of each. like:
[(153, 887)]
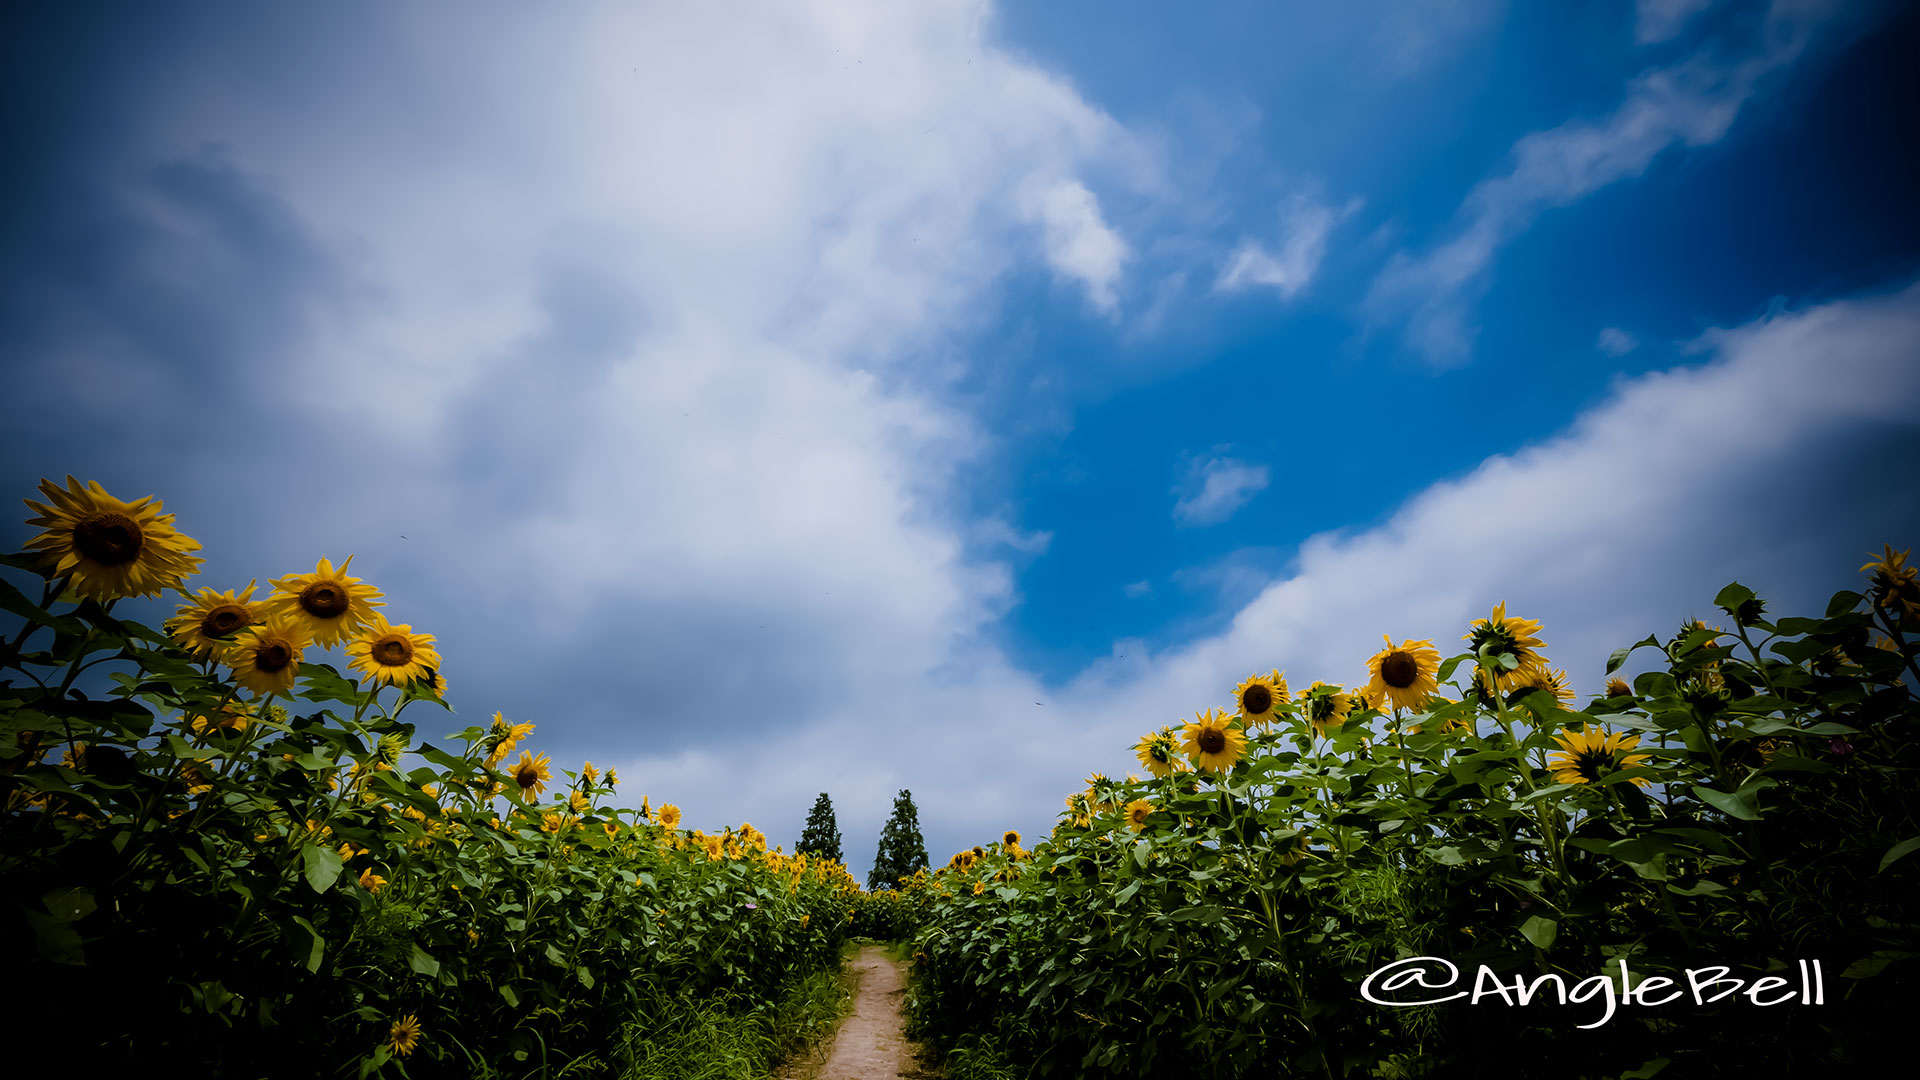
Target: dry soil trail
[(872, 1043)]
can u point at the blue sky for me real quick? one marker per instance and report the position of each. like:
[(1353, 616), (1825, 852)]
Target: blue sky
[(787, 398)]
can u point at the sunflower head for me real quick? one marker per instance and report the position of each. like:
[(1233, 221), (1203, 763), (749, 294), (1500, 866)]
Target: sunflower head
[(1326, 706), (327, 602), (502, 737), (209, 623), (392, 655), (1896, 586), (1403, 674), (1212, 743), (1137, 812), (266, 658), (1159, 751), (1261, 698), (532, 774), (1010, 838), (1503, 634), (106, 548), (1552, 681), (1586, 757), (1617, 687), (669, 817), (405, 1033)]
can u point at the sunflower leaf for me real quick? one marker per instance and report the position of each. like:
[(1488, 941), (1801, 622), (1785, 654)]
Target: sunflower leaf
[(322, 867), (1541, 931), (1894, 853), (1730, 805)]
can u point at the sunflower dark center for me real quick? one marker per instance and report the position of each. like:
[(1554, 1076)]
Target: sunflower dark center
[(392, 651), (1399, 670), (272, 657), (1591, 763), (1255, 700), (324, 600), (109, 539), (1212, 740), (224, 620)]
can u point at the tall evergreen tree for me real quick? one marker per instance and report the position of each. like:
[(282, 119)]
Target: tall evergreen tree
[(822, 835), (901, 849)]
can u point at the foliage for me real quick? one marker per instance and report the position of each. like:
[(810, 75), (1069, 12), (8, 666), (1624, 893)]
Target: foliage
[(821, 836), (1752, 801), (272, 882), (902, 851)]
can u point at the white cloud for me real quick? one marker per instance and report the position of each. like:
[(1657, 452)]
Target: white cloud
[(1616, 528), (1688, 104), (1661, 20), (1305, 225), (635, 363), (1616, 342), (1079, 244), (1224, 485), (1137, 589)]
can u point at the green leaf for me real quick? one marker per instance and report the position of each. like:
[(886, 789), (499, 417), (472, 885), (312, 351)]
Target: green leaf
[(1904, 847), (1620, 655), (1541, 931), (1730, 805), (512, 999), (1873, 963), (418, 960), (1647, 1069), (308, 946), (585, 976), (323, 866), (69, 905)]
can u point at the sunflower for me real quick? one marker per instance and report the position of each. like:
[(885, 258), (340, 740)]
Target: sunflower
[(1212, 743), (404, 1036), (532, 774), (588, 774), (327, 601), (612, 829), (1327, 706), (1895, 584), (233, 718), (1159, 751), (371, 881), (1617, 687), (979, 888), (669, 816), (579, 803), (1403, 673), (1137, 812), (266, 658), (1260, 698), (1010, 838), (1588, 756), (392, 655), (208, 623), (107, 548), (502, 737), (1501, 634), (1553, 682)]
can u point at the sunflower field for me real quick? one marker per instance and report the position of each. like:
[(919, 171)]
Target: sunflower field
[(222, 852), (1747, 809)]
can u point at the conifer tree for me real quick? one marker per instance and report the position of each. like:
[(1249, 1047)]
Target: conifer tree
[(902, 851), (821, 837)]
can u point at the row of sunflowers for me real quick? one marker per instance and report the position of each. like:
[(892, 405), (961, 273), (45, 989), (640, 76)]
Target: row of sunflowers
[(221, 850), (1751, 801)]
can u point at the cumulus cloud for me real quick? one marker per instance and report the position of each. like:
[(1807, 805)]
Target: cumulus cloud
[(1691, 104), (1611, 530), (1217, 489), (625, 338), (1079, 244), (1616, 342), (1661, 20), (1305, 225)]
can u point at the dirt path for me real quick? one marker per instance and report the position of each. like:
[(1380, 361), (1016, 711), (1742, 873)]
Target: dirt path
[(872, 1044)]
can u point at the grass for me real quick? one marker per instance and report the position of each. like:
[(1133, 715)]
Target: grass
[(722, 1039)]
